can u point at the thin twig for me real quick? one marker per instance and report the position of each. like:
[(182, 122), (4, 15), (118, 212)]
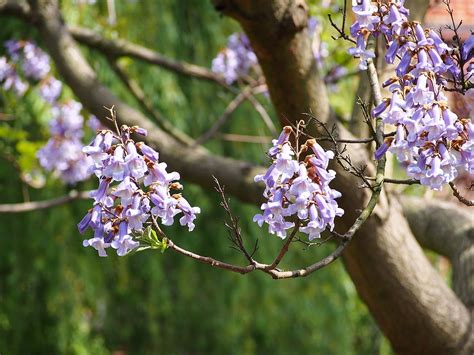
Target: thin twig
[(230, 109), (244, 138), (341, 31), (208, 260), (261, 111), (459, 196), (455, 27), (137, 92), (396, 181), (233, 225), (342, 159), (285, 247)]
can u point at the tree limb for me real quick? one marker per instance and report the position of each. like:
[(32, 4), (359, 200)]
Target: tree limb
[(15, 8), (447, 229), (38, 205), (122, 48), (137, 92)]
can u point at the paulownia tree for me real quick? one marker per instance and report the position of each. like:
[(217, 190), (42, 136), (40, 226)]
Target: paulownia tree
[(378, 233)]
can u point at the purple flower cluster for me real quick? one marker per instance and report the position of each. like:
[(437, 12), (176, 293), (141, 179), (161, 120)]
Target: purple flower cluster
[(298, 190), (10, 79), (33, 62), (431, 141), (236, 59), (63, 154), (133, 187)]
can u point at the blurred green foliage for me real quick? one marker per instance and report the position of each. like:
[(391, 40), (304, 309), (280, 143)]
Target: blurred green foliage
[(58, 297)]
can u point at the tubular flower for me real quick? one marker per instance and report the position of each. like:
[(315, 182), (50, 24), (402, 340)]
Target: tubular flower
[(431, 141), (298, 190), (133, 187), (63, 154)]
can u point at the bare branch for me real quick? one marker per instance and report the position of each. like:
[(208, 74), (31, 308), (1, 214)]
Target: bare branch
[(15, 8), (261, 110), (208, 260), (234, 228), (284, 248), (244, 138), (38, 205), (459, 196), (230, 109), (123, 48), (396, 181), (141, 98)]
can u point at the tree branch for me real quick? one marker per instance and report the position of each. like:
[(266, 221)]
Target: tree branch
[(122, 48), (15, 8), (137, 92), (446, 229), (38, 205), (230, 109)]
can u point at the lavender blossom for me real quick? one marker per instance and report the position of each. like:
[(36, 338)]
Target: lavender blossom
[(50, 89), (63, 154), (236, 60), (35, 61), (431, 141), (298, 189), (10, 78), (133, 185)]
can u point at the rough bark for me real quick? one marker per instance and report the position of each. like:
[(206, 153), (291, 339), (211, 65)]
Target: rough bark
[(402, 290)]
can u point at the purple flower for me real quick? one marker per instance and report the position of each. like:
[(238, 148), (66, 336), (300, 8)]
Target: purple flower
[(135, 163), (236, 60), (98, 244), (298, 189), (468, 48), (361, 52), (123, 210), (115, 167), (148, 152), (126, 190), (157, 174), (189, 213), (125, 245), (84, 223), (50, 89), (35, 61), (94, 124)]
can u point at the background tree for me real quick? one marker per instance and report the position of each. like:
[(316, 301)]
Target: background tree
[(402, 290)]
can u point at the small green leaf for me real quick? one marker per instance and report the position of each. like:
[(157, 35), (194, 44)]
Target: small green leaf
[(164, 245), (154, 236)]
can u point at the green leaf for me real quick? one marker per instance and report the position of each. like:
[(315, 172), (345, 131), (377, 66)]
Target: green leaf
[(154, 236), (164, 245), (27, 151)]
